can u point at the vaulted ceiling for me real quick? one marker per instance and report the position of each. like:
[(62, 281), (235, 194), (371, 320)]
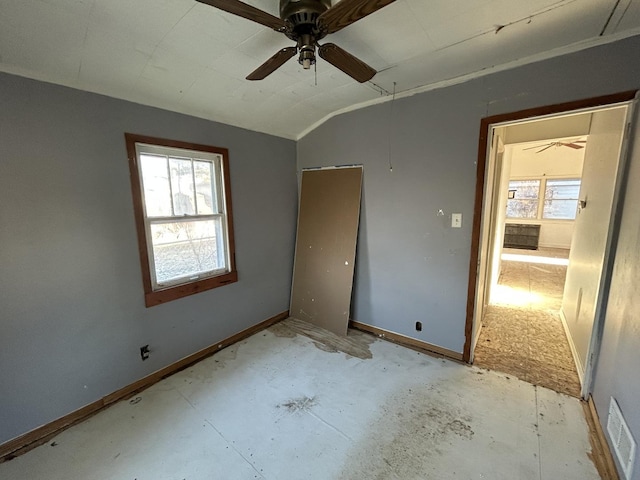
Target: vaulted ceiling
[(188, 57)]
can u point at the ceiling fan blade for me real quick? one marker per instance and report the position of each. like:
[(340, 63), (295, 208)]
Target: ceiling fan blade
[(547, 147), (247, 11), (271, 65), (538, 146), (346, 12), (343, 60), (572, 145)]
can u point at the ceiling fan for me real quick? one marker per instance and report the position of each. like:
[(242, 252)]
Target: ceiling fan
[(545, 146), (306, 22)]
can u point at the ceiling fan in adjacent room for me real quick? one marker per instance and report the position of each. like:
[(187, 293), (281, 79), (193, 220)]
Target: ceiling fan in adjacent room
[(575, 144), (306, 22)]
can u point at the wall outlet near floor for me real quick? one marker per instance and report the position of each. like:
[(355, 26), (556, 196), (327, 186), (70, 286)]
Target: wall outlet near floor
[(144, 352), (419, 326), (456, 220)]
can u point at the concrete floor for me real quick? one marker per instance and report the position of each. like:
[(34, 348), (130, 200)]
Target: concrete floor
[(522, 333), (288, 403)]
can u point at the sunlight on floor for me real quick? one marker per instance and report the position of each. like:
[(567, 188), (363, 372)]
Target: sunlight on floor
[(531, 259), (517, 297)]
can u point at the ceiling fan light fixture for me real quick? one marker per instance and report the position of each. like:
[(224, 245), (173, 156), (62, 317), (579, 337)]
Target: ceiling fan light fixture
[(307, 58), (307, 47)]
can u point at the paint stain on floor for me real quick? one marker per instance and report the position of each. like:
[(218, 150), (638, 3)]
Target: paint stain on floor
[(356, 343), (299, 404), (411, 433)]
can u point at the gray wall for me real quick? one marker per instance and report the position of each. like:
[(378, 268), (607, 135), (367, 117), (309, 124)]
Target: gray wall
[(72, 315), (617, 372), (411, 265)]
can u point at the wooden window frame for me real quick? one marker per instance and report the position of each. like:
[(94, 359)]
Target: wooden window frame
[(162, 295)]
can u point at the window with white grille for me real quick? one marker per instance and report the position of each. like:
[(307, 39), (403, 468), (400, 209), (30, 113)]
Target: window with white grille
[(183, 210), (543, 198)]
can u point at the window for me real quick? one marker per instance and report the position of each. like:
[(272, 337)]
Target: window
[(561, 198), (523, 199), (182, 204), (559, 202)]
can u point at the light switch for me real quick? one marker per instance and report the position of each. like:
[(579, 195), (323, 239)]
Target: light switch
[(456, 220)]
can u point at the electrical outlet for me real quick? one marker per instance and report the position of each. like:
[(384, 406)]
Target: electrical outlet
[(456, 220), (419, 326), (144, 352)]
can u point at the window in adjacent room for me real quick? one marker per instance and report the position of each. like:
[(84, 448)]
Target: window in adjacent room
[(182, 204), (523, 199), (543, 198), (561, 198)]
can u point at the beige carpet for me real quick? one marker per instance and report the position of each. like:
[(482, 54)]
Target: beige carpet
[(522, 334)]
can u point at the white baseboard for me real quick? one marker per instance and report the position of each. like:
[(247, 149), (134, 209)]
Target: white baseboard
[(572, 346)]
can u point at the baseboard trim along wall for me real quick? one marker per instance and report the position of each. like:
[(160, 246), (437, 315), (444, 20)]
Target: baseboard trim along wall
[(572, 346), (407, 341), (41, 435), (600, 452)]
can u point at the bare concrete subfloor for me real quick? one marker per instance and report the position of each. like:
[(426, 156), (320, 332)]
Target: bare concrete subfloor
[(522, 334), (294, 402)]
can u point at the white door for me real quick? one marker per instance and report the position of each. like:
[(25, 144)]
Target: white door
[(592, 231)]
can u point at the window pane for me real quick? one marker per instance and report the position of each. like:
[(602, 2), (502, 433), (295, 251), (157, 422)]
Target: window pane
[(187, 249), (566, 188), (524, 199), (560, 209), (525, 208), (561, 199), (155, 178), (182, 185), (205, 199), (525, 188)]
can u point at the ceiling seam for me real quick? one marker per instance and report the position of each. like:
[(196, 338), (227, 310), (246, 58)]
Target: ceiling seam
[(623, 15), (610, 17), (84, 41), (567, 49), (155, 48), (498, 28), (426, 32)]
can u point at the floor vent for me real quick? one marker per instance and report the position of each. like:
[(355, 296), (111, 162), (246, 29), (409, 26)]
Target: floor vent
[(623, 443)]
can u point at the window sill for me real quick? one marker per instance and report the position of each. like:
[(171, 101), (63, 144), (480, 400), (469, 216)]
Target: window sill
[(158, 297)]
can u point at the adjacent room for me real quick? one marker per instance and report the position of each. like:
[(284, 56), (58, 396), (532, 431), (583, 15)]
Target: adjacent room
[(335, 261), (522, 329)]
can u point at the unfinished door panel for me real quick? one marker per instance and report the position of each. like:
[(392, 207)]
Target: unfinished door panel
[(326, 247)]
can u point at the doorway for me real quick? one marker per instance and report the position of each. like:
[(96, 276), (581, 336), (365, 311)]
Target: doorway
[(526, 299), (539, 184)]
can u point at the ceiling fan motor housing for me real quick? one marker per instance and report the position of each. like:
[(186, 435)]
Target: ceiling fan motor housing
[(302, 14)]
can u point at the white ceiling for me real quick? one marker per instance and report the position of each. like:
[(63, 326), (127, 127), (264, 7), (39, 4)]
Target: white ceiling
[(191, 58)]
